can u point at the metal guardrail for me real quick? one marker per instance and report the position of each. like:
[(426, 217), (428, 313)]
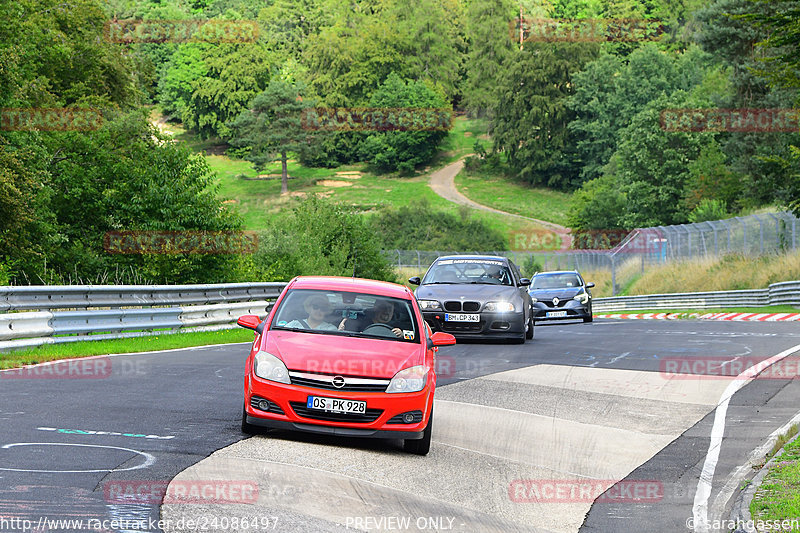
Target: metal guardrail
[(784, 293), (104, 312), (48, 297)]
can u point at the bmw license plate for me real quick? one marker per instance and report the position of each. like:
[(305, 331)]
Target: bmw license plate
[(556, 314), (336, 405), (461, 317)]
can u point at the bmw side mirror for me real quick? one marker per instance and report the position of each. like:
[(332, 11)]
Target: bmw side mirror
[(589, 285), (524, 282), (414, 281)]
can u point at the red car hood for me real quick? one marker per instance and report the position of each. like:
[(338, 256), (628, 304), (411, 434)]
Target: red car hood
[(348, 356)]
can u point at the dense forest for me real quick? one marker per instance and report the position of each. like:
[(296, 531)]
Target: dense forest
[(610, 114)]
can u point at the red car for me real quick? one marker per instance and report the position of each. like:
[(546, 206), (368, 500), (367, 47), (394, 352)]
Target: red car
[(343, 356)]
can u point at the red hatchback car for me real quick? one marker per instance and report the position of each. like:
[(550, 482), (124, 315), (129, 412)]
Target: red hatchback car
[(343, 356)]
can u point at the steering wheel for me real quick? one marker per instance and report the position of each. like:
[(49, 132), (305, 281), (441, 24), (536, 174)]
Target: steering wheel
[(379, 325)]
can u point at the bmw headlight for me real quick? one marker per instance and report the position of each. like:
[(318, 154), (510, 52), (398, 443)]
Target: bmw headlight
[(501, 307), (270, 367), (429, 304), (582, 297), (409, 380)]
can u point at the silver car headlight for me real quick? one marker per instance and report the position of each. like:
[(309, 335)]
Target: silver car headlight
[(534, 300), (582, 297), (410, 379), (429, 304), (499, 307), (272, 368)]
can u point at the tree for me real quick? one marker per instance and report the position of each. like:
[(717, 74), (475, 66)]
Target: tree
[(782, 58), (369, 39), (403, 150), (208, 85), (731, 31), (530, 124), (490, 48), (272, 125), (652, 165), (610, 91)]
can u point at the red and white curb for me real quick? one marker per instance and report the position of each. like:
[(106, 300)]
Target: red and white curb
[(761, 317)]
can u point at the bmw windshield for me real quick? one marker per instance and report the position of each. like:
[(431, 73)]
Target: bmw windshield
[(480, 271)]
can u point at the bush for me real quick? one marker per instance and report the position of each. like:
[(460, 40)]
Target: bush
[(530, 266), (709, 209), (329, 150), (319, 237), (402, 151), (418, 227)]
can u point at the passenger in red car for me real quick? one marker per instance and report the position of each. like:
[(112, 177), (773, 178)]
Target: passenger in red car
[(317, 307)]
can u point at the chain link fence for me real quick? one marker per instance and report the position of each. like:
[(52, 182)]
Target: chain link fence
[(645, 247)]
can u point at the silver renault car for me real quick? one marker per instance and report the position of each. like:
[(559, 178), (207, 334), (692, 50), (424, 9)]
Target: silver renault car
[(560, 295)]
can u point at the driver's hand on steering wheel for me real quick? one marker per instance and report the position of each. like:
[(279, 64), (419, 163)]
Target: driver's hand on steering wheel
[(397, 332), (341, 324)]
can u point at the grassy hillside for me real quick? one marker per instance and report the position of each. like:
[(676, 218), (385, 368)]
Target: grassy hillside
[(513, 197), (257, 195)]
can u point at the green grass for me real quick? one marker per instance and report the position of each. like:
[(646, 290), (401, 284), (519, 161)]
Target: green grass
[(778, 497), (258, 200), (52, 352), (502, 193), (461, 140), (767, 309)]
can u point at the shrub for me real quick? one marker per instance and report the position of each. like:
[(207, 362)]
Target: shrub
[(419, 227), (319, 237)]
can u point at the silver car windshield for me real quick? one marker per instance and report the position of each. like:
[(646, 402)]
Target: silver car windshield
[(469, 271)]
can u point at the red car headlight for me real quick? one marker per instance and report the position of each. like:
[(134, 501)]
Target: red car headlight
[(268, 366), (410, 379)]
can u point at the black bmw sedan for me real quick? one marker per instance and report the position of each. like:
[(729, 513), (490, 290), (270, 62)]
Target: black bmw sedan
[(476, 297), (560, 295)]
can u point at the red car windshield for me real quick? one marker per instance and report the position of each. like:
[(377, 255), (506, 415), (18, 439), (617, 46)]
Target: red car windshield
[(347, 313)]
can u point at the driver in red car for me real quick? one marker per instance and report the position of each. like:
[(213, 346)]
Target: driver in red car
[(381, 313)]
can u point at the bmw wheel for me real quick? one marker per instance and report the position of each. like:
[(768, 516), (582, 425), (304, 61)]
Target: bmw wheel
[(529, 328)]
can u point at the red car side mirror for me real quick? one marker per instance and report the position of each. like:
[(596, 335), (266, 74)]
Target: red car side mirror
[(251, 322), (441, 338)]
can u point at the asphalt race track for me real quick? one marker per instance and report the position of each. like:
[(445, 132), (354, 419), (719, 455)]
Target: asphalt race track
[(589, 427)]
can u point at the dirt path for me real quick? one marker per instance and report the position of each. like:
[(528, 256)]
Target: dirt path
[(443, 183)]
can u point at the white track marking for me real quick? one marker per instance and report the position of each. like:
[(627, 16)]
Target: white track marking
[(700, 507), (149, 459)]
